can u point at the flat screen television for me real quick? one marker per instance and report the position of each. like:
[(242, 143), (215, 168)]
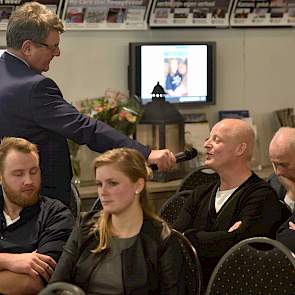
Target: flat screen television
[(186, 70)]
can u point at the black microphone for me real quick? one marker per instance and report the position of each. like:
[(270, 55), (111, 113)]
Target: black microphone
[(188, 154)]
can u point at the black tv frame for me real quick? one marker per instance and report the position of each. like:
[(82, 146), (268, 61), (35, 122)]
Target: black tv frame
[(134, 70)]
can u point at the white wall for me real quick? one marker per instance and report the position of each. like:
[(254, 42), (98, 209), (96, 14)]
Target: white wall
[(255, 68)]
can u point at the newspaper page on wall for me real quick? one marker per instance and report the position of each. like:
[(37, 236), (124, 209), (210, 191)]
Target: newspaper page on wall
[(106, 14), (190, 13)]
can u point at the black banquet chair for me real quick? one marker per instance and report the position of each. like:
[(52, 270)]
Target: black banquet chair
[(61, 288), (254, 266), (193, 271), (198, 176), (169, 211), (96, 205), (75, 202)]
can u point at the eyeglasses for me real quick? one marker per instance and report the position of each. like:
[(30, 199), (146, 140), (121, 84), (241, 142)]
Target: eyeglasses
[(52, 48)]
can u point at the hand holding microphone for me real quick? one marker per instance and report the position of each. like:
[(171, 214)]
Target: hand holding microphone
[(186, 155)]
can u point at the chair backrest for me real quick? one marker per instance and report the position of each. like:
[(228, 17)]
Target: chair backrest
[(193, 271), (61, 288), (170, 210), (75, 202), (254, 266), (96, 205), (198, 176)]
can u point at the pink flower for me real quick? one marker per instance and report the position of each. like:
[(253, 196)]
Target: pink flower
[(122, 115)]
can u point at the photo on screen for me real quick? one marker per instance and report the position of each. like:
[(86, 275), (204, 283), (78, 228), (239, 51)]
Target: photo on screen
[(181, 70)]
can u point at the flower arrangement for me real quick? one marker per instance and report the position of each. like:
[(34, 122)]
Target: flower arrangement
[(114, 108)]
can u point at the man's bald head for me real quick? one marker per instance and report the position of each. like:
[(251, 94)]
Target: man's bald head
[(239, 131), (282, 153), (284, 138)]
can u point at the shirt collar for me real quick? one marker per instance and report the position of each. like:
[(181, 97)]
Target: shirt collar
[(18, 58)]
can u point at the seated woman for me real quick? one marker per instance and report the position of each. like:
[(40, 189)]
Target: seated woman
[(125, 248)]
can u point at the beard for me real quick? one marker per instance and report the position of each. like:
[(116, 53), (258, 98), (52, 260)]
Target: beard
[(21, 199)]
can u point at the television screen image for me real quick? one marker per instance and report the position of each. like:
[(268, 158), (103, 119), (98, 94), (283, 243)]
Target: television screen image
[(185, 70)]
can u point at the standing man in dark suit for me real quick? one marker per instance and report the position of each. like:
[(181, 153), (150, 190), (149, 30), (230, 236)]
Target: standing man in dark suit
[(32, 106)]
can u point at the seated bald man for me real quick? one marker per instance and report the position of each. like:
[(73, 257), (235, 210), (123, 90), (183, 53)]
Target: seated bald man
[(33, 228), (240, 206), (282, 156)]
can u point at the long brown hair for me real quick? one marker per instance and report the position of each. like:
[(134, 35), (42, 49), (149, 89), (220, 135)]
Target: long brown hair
[(133, 165)]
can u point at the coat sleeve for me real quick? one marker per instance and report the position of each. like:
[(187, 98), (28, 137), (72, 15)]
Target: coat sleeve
[(52, 112), (186, 216), (286, 235), (64, 270), (56, 229)]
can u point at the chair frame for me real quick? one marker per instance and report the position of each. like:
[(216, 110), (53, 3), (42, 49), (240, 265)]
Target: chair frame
[(261, 240), (195, 260), (61, 286), (203, 170), (96, 205), (177, 196), (76, 209)]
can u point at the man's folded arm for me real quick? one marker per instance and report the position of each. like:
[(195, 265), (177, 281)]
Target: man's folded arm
[(19, 284)]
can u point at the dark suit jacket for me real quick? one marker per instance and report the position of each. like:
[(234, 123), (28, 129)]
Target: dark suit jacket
[(32, 107), (277, 186)]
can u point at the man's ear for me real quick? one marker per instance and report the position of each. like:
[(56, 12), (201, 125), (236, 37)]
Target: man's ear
[(26, 47), (0, 179), (241, 149)]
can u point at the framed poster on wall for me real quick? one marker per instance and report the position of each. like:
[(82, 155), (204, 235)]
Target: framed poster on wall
[(263, 13), (8, 6), (190, 13), (106, 15)]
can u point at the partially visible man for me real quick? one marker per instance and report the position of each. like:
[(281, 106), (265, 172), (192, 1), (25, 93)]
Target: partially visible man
[(33, 228), (240, 206), (32, 105), (282, 156)]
